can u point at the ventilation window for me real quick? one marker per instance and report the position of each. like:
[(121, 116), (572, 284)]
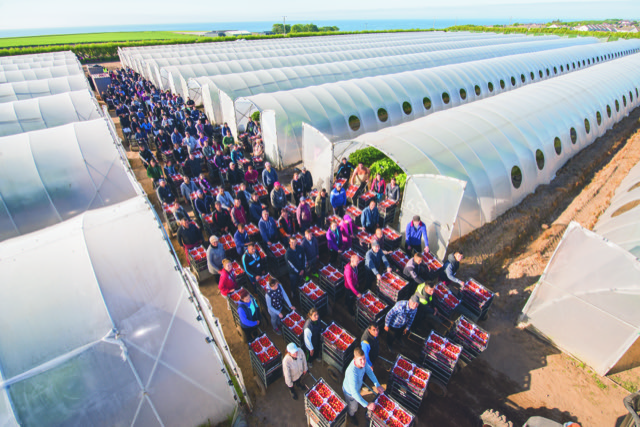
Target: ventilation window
[(463, 94), (574, 65), (354, 123), (445, 97), (426, 101), (540, 73), (625, 208), (574, 135), (382, 115), (490, 87), (624, 100), (478, 91), (539, 159), (568, 68), (588, 61), (636, 92), (522, 78), (608, 111), (533, 76), (555, 70), (630, 96), (502, 84), (587, 126), (557, 144), (617, 106), (579, 64), (548, 73), (516, 177), (513, 81), (583, 63), (406, 107), (598, 118), (561, 68)]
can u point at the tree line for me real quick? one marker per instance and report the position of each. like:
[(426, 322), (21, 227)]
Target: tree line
[(302, 28)]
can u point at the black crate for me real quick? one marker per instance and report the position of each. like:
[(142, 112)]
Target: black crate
[(315, 417), (170, 219), (365, 198), (198, 266), (407, 392), (473, 304), (271, 364), (362, 242), (364, 315), (334, 289), (321, 304), (441, 367), (355, 213), (389, 293), (391, 243), (472, 344), (442, 293), (335, 357), (277, 264)]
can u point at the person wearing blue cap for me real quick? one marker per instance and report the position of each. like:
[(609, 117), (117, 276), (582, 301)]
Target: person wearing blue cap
[(294, 366)]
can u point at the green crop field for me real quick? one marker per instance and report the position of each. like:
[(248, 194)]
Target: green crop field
[(93, 38)]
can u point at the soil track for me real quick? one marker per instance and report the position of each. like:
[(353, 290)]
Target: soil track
[(518, 374)]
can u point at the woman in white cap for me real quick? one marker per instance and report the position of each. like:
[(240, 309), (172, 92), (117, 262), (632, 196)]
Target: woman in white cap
[(294, 366)]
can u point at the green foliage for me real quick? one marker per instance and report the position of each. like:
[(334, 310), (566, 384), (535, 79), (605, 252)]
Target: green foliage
[(367, 156), (277, 28), (94, 38), (255, 116), (539, 31), (311, 28)]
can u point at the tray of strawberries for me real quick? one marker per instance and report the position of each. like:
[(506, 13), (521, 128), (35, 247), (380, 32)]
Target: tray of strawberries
[(431, 260), (410, 375), (294, 322), (324, 401), (476, 295), (388, 412), (252, 229), (331, 276), (334, 218), (391, 234), (260, 190), (353, 211), (318, 232), (337, 338), (236, 296), (442, 351), (346, 257), (277, 249), (198, 254), (399, 258), (342, 181), (351, 191), (444, 299), (265, 352), (260, 251), (227, 242), (470, 335), (392, 286), (313, 292), (371, 305), (237, 270)]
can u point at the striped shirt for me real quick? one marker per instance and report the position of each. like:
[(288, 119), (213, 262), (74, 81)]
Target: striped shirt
[(400, 315)]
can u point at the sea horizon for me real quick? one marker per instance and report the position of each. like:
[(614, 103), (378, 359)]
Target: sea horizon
[(258, 26)]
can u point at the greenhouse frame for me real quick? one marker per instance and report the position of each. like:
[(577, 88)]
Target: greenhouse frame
[(213, 91), (19, 91), (175, 77), (117, 340), (502, 147), (349, 108), (51, 175), (47, 112)]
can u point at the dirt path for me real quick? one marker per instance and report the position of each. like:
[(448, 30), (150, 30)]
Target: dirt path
[(518, 374)]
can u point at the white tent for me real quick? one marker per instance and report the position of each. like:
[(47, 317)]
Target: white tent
[(40, 73), (586, 302), (18, 91), (37, 57), (40, 64), (346, 109), (98, 328), (176, 77), (51, 175), (503, 147), (47, 112), (212, 91)]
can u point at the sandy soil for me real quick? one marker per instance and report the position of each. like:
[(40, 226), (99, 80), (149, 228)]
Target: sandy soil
[(518, 374)]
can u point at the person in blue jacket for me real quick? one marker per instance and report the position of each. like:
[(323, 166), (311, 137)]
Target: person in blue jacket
[(269, 177), (370, 217), (268, 228), (338, 199), (370, 344), (416, 231), (249, 314)]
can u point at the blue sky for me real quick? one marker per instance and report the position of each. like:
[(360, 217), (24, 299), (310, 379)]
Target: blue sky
[(80, 13)]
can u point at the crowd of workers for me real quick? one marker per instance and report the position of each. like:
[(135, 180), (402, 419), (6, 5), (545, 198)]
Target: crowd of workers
[(219, 179)]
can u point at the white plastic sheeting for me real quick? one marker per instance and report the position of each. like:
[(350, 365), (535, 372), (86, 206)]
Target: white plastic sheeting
[(47, 112), (620, 223), (51, 175), (176, 77), (487, 142), (101, 332), (208, 90), (40, 73), (37, 57), (403, 97), (586, 301), (41, 64), (18, 91)]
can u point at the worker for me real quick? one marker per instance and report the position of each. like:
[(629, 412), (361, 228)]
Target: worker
[(415, 232), (312, 330), (374, 261), (370, 344), (296, 263), (426, 309), (249, 314), (353, 380), (400, 318), (416, 270), (294, 366), (447, 273), (276, 298), (351, 284)]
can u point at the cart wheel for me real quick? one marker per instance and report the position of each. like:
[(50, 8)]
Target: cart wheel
[(334, 374), (437, 388), (261, 387)]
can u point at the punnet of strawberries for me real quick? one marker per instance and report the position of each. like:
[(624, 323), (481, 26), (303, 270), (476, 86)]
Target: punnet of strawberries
[(404, 364), (323, 390), (381, 413), (383, 401), (401, 373), (327, 412), (402, 416), (256, 347), (335, 404), (315, 399)]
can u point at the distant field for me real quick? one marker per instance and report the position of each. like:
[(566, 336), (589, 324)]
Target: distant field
[(93, 38)]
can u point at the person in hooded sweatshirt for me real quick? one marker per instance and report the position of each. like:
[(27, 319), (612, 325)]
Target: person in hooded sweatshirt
[(312, 339), (447, 273), (415, 232), (370, 344)]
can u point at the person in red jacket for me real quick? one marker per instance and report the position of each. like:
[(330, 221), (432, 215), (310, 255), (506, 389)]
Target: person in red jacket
[(351, 283), (227, 281)]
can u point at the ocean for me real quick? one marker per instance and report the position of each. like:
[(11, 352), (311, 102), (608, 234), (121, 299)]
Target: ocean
[(345, 25)]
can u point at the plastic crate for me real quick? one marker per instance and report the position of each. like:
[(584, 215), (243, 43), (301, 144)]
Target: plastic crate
[(440, 356), (392, 238), (316, 401), (392, 288), (476, 298), (313, 296), (369, 309), (363, 241), (444, 299), (332, 282), (473, 339), (389, 412), (337, 346), (293, 328), (365, 198)]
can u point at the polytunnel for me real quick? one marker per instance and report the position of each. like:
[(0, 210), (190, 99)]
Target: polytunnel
[(135, 59), (47, 112), (18, 91), (51, 175), (348, 108), (103, 332), (586, 302), (37, 57), (150, 66), (176, 77), (41, 64), (502, 147), (215, 91), (40, 73)]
